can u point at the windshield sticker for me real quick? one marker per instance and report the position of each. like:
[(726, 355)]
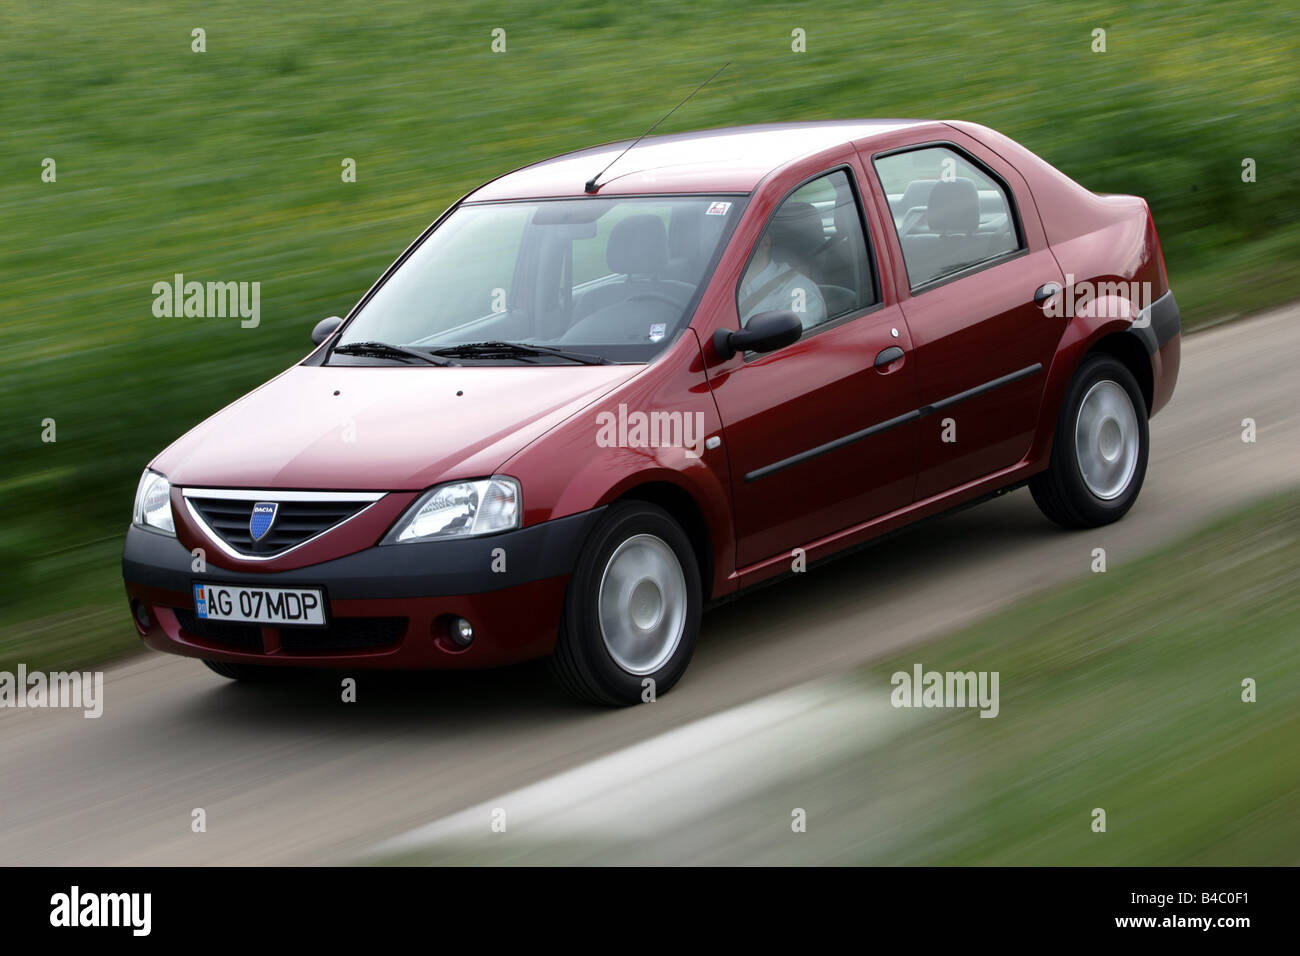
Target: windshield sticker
[(657, 331), (718, 209)]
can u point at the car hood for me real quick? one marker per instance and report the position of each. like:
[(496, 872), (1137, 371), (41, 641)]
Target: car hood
[(382, 428)]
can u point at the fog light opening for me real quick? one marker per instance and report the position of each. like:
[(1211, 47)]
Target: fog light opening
[(461, 632), (143, 621)]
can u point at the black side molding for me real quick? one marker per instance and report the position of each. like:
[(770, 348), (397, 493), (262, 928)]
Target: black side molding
[(832, 445), (879, 427), (982, 389)]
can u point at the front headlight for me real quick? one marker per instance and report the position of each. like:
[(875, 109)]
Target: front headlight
[(461, 509), (153, 503)]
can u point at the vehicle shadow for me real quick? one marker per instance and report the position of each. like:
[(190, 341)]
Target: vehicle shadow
[(445, 701)]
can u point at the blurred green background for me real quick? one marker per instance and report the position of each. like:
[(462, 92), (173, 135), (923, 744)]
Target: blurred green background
[(225, 165)]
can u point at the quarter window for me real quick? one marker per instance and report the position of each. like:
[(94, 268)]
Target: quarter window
[(950, 213), (812, 257)]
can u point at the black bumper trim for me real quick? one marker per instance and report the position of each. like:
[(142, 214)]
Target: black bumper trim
[(427, 569), (1165, 322)]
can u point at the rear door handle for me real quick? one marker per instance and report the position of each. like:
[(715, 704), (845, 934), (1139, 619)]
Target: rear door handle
[(889, 356)]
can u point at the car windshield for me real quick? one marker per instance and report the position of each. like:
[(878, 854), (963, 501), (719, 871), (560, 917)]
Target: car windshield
[(608, 280)]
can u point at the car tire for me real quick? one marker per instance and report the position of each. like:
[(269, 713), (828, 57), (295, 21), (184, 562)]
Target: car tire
[(1099, 451), (632, 610), (250, 673)]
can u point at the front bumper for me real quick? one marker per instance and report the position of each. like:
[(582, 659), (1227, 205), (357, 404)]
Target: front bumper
[(387, 607)]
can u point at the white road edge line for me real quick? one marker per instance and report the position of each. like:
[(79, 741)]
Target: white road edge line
[(683, 774)]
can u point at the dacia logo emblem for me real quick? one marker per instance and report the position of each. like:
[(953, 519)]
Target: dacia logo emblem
[(263, 516)]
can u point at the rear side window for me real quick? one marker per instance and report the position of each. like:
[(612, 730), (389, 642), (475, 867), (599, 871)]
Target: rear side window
[(951, 214), (812, 257)]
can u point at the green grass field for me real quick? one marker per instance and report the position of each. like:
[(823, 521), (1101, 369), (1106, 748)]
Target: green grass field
[(225, 165), (1122, 692)]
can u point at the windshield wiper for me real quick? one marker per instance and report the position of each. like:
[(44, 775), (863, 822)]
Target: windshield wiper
[(387, 350), (518, 350)]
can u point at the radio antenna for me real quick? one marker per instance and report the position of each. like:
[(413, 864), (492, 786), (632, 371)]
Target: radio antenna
[(591, 183)]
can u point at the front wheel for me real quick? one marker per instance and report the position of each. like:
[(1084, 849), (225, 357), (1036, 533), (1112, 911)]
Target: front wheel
[(632, 612), (1099, 452)]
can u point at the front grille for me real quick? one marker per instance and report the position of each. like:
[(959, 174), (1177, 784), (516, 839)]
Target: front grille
[(238, 637), (295, 522), (344, 634)]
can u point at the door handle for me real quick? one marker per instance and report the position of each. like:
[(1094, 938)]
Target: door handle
[(888, 357), (1045, 292)]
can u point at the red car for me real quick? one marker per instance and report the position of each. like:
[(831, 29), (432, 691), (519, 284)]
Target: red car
[(583, 405)]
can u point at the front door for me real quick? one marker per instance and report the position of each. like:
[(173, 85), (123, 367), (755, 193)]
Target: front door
[(821, 434)]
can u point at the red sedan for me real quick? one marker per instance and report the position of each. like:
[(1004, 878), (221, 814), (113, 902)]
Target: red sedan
[(585, 404)]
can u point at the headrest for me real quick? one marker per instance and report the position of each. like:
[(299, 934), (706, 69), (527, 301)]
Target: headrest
[(954, 207), (916, 194), (638, 245), (797, 226)]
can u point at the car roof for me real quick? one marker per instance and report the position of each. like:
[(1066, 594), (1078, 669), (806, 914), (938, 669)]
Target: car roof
[(731, 159)]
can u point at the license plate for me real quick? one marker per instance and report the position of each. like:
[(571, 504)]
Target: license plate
[(250, 605)]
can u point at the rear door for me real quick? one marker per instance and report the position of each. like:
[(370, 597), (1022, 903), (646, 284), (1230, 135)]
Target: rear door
[(973, 256)]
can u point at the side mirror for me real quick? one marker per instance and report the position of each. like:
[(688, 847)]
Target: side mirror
[(325, 328), (764, 332)]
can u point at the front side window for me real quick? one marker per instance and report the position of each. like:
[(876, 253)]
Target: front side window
[(812, 257), (611, 278), (950, 213)]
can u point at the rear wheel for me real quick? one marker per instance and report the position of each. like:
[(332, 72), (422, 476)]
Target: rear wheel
[(632, 612), (1099, 452)]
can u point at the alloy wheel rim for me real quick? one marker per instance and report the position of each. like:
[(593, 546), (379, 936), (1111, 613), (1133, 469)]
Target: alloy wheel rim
[(641, 604), (1106, 439)]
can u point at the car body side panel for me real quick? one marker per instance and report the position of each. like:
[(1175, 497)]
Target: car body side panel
[(576, 468)]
